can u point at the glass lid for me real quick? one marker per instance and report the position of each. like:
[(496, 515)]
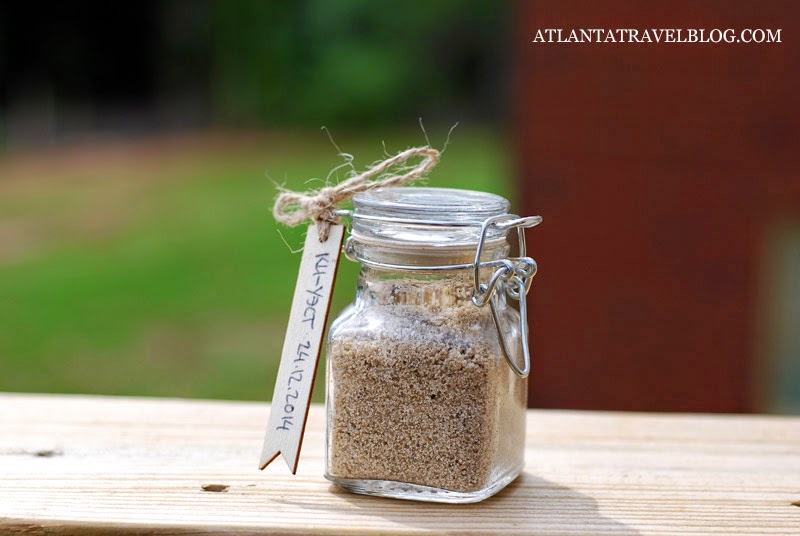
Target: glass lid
[(425, 217)]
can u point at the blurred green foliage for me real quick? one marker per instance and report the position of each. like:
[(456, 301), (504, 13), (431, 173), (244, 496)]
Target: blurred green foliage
[(358, 61), (166, 274), (67, 73)]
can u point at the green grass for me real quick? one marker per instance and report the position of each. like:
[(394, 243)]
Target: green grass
[(177, 283)]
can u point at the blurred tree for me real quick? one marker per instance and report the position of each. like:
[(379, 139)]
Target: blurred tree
[(357, 61), (185, 63)]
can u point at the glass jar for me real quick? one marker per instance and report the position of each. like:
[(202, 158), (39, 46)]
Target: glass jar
[(426, 389)]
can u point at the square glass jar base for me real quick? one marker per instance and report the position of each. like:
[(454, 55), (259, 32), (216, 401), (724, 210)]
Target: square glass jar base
[(415, 492)]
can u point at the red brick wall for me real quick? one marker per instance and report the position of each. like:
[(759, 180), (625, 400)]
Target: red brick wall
[(656, 169)]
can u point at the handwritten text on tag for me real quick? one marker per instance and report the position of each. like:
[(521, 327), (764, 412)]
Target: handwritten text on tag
[(301, 347)]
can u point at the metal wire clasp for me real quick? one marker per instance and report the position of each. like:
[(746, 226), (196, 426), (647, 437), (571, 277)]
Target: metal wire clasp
[(517, 273)]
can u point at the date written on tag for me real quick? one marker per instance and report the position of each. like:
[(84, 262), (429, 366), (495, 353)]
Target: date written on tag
[(301, 347)]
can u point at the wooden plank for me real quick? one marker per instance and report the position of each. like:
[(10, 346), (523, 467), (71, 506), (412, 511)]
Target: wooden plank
[(100, 465)]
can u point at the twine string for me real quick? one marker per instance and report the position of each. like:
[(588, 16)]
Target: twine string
[(292, 208)]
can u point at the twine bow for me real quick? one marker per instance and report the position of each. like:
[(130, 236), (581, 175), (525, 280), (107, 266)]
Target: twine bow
[(292, 208)]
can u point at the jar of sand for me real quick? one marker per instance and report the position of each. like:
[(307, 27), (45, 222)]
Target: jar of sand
[(426, 388)]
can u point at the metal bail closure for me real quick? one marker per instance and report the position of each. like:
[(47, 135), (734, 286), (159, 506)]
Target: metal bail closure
[(517, 273)]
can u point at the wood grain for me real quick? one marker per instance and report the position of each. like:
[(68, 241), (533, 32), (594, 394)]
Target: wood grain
[(101, 465)]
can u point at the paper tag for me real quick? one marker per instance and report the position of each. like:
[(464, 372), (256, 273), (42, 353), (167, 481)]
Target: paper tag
[(301, 347)]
